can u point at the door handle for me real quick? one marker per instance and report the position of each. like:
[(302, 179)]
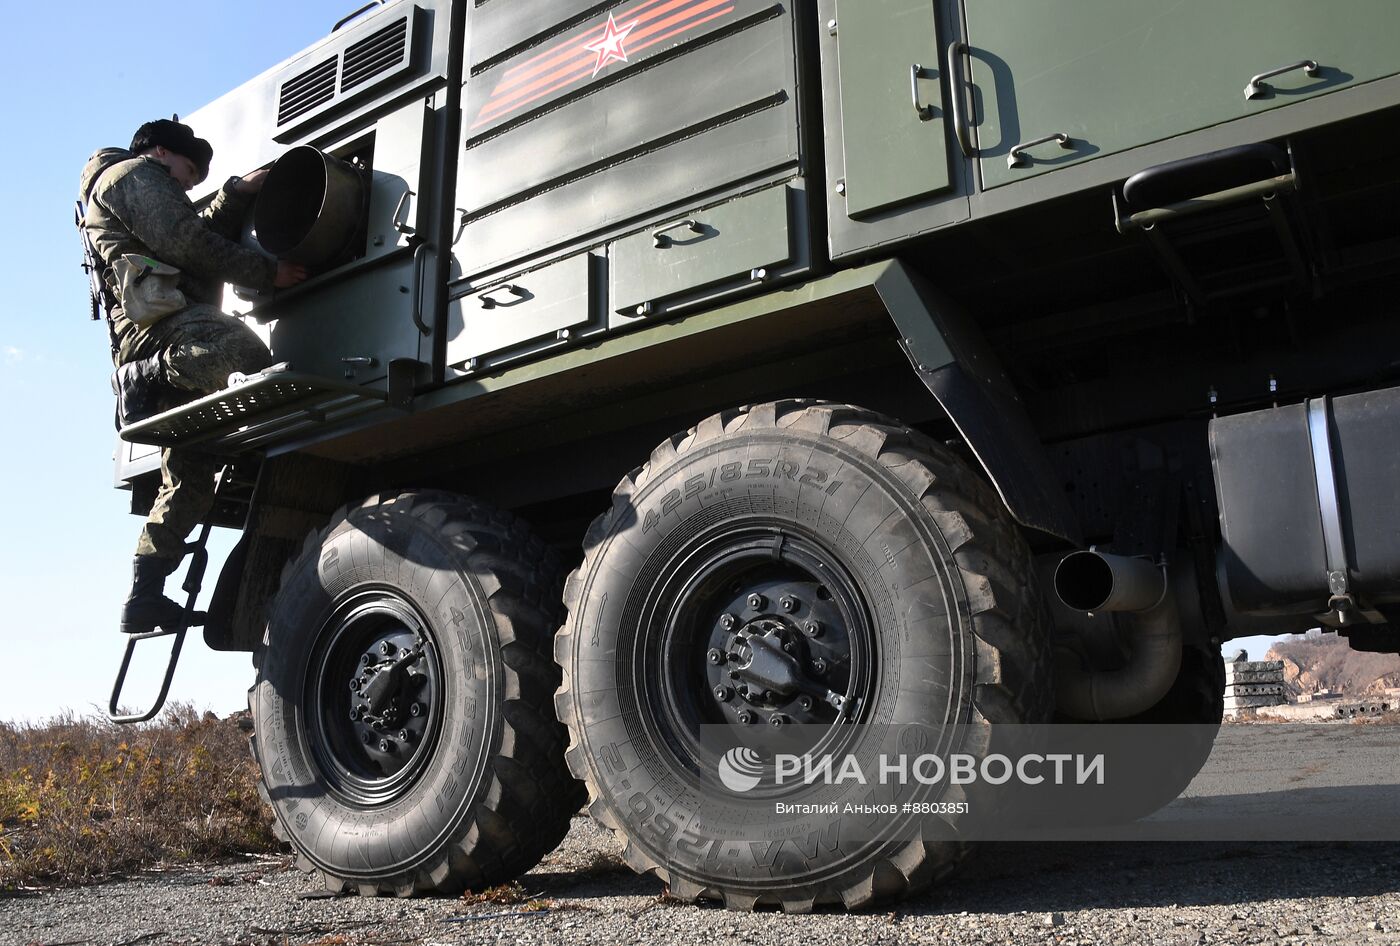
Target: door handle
[(1016, 159), (661, 238), (400, 225), (956, 85), (515, 292), (917, 72), (1258, 88)]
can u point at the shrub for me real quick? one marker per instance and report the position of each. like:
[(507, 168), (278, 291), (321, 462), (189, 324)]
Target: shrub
[(83, 799)]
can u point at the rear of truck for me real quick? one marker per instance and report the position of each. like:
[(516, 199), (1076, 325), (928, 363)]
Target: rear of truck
[(1109, 277)]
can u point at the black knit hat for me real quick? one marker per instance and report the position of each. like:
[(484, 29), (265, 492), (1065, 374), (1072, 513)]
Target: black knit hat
[(173, 136)]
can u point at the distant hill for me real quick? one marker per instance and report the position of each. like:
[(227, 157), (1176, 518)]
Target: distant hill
[(1327, 662)]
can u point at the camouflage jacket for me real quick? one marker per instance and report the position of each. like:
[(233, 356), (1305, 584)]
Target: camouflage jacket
[(135, 206)]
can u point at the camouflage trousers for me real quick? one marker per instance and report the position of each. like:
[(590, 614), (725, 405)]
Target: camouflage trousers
[(199, 347)]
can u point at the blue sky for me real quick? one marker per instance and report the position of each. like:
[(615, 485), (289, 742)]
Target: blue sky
[(81, 76)]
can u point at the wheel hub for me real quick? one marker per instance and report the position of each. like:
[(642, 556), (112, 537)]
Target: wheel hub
[(386, 712), (783, 654), (374, 697)]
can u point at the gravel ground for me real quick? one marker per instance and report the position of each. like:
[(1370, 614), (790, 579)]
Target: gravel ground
[(1168, 893)]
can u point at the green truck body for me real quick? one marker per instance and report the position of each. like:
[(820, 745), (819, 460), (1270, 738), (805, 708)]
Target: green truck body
[(1132, 263)]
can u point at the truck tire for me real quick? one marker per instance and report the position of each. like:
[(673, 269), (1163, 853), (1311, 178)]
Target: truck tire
[(806, 502), (448, 772)]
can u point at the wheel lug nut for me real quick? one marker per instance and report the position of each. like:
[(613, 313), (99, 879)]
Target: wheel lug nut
[(757, 601), (778, 721), (386, 648), (813, 629), (790, 647), (355, 684), (728, 621), (369, 738), (365, 660), (724, 694), (355, 713), (745, 717), (416, 709), (788, 603), (819, 666), (386, 746), (805, 702), (405, 736), (716, 657)]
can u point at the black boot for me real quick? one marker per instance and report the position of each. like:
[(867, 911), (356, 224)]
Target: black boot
[(147, 608), (142, 391)]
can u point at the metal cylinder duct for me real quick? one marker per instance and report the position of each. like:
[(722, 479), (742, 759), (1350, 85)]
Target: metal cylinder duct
[(1138, 596), (1093, 581), (310, 208)]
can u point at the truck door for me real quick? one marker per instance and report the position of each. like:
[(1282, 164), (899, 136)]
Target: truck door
[(893, 168)]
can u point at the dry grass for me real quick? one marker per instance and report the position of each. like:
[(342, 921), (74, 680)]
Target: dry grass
[(1391, 718), (82, 800), (511, 894)]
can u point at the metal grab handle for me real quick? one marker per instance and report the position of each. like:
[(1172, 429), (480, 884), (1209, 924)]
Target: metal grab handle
[(1146, 219), (956, 50), (488, 303), (1258, 88), (917, 72), (420, 266), (399, 225), (1018, 160), (661, 240), (364, 9)]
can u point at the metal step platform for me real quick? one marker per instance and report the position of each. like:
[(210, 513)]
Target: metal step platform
[(260, 411)]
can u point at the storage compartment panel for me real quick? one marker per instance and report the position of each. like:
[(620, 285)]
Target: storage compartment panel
[(534, 305), (350, 327), (702, 248)]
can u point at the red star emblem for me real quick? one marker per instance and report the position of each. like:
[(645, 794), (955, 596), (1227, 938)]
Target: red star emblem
[(609, 46)]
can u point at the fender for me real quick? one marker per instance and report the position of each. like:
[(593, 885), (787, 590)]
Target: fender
[(951, 357)]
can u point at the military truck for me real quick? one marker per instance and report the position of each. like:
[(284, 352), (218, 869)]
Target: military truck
[(683, 363)]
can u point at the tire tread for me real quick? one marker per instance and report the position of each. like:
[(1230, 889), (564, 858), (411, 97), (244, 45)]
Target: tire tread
[(527, 812), (1009, 618)]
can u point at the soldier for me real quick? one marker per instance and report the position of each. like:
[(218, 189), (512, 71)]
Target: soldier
[(137, 210)]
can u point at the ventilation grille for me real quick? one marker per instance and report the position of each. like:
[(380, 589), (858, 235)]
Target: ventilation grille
[(312, 89), (374, 55), (365, 64)]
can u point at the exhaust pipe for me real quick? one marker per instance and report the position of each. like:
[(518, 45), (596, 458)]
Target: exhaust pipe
[(1141, 593), (1095, 582)]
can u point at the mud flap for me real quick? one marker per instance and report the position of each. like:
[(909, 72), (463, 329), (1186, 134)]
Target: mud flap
[(953, 360)]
